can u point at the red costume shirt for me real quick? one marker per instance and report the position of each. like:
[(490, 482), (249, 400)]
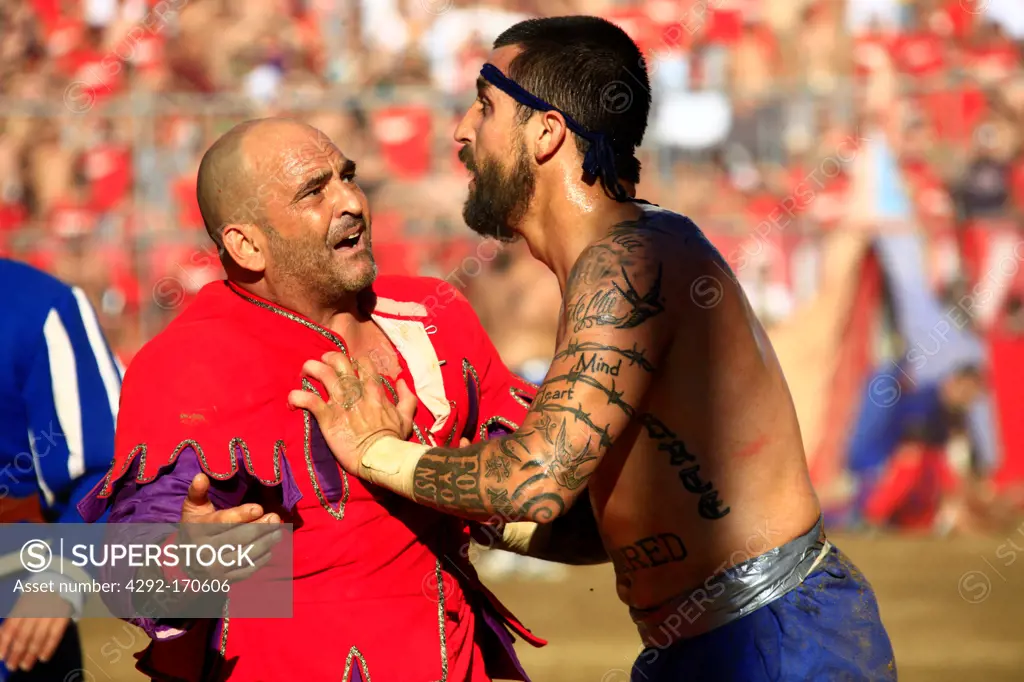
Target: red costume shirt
[(382, 587)]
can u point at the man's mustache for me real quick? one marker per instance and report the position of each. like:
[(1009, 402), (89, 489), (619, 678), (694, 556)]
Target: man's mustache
[(347, 225), (466, 157)]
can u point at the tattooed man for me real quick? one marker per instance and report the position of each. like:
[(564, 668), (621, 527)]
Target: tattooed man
[(665, 406)]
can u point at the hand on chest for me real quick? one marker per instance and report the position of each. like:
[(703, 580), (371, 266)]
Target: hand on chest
[(448, 389)]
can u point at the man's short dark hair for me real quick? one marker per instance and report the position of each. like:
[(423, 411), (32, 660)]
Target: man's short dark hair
[(590, 69)]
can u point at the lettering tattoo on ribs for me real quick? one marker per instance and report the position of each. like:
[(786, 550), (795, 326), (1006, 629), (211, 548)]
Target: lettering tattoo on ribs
[(710, 506), (650, 552)]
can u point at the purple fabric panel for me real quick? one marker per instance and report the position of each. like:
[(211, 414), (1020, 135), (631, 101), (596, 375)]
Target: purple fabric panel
[(357, 675), (154, 502), (159, 502), (473, 391), (92, 506), (328, 473), (504, 638)]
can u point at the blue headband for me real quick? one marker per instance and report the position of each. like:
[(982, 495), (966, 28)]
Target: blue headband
[(599, 160)]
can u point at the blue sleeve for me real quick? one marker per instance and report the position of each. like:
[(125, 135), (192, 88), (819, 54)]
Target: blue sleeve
[(71, 394), (874, 430)]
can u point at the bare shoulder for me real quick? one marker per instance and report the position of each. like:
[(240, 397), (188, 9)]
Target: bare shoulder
[(640, 269)]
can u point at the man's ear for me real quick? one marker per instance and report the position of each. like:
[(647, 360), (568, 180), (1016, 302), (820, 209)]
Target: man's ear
[(550, 133), (246, 245)]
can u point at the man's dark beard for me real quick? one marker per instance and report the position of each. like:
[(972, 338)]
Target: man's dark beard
[(497, 202)]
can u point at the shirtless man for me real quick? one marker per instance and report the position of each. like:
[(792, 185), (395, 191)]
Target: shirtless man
[(665, 403)]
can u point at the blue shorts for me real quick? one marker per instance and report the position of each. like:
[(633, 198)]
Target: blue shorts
[(827, 629)]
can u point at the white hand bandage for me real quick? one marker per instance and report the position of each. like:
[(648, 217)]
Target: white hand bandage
[(391, 463), (516, 537)]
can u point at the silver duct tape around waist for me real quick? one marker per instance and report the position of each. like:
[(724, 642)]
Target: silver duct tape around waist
[(734, 593)]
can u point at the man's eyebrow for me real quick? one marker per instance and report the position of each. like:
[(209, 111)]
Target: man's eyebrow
[(317, 180), (482, 86), (348, 168)]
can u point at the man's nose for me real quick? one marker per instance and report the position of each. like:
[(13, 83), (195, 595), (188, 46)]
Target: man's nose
[(464, 131), (347, 199)]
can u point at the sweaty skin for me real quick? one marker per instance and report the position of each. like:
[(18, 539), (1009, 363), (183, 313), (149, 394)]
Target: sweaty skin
[(665, 405), (676, 417)]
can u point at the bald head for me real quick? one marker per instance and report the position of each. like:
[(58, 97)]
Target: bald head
[(227, 188), (282, 204)]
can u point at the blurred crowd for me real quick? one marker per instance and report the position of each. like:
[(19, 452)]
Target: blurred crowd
[(106, 107), (762, 111)]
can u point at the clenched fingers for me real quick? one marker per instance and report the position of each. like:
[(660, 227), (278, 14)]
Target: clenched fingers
[(245, 572), (307, 400), (246, 513), (327, 376), (52, 640), (338, 362), (8, 631), (20, 637), (36, 641)]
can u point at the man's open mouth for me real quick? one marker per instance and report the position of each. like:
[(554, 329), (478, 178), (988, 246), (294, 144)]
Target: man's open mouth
[(352, 240)]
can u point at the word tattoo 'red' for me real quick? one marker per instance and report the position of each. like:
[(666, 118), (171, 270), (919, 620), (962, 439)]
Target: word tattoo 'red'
[(710, 506), (650, 552)]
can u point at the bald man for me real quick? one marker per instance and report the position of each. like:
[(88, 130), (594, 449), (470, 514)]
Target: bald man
[(382, 587)]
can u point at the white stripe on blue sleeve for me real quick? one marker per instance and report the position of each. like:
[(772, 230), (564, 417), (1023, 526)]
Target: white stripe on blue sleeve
[(108, 372), (64, 381)]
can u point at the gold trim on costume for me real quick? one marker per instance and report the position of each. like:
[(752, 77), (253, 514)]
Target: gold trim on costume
[(467, 369), (497, 419), (225, 621), (391, 389), (517, 395), (142, 449), (419, 435), (455, 424), (338, 513), (441, 620), (355, 654), (294, 318), (278, 452)]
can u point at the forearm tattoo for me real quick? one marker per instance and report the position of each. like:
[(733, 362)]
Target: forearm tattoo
[(598, 376)]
